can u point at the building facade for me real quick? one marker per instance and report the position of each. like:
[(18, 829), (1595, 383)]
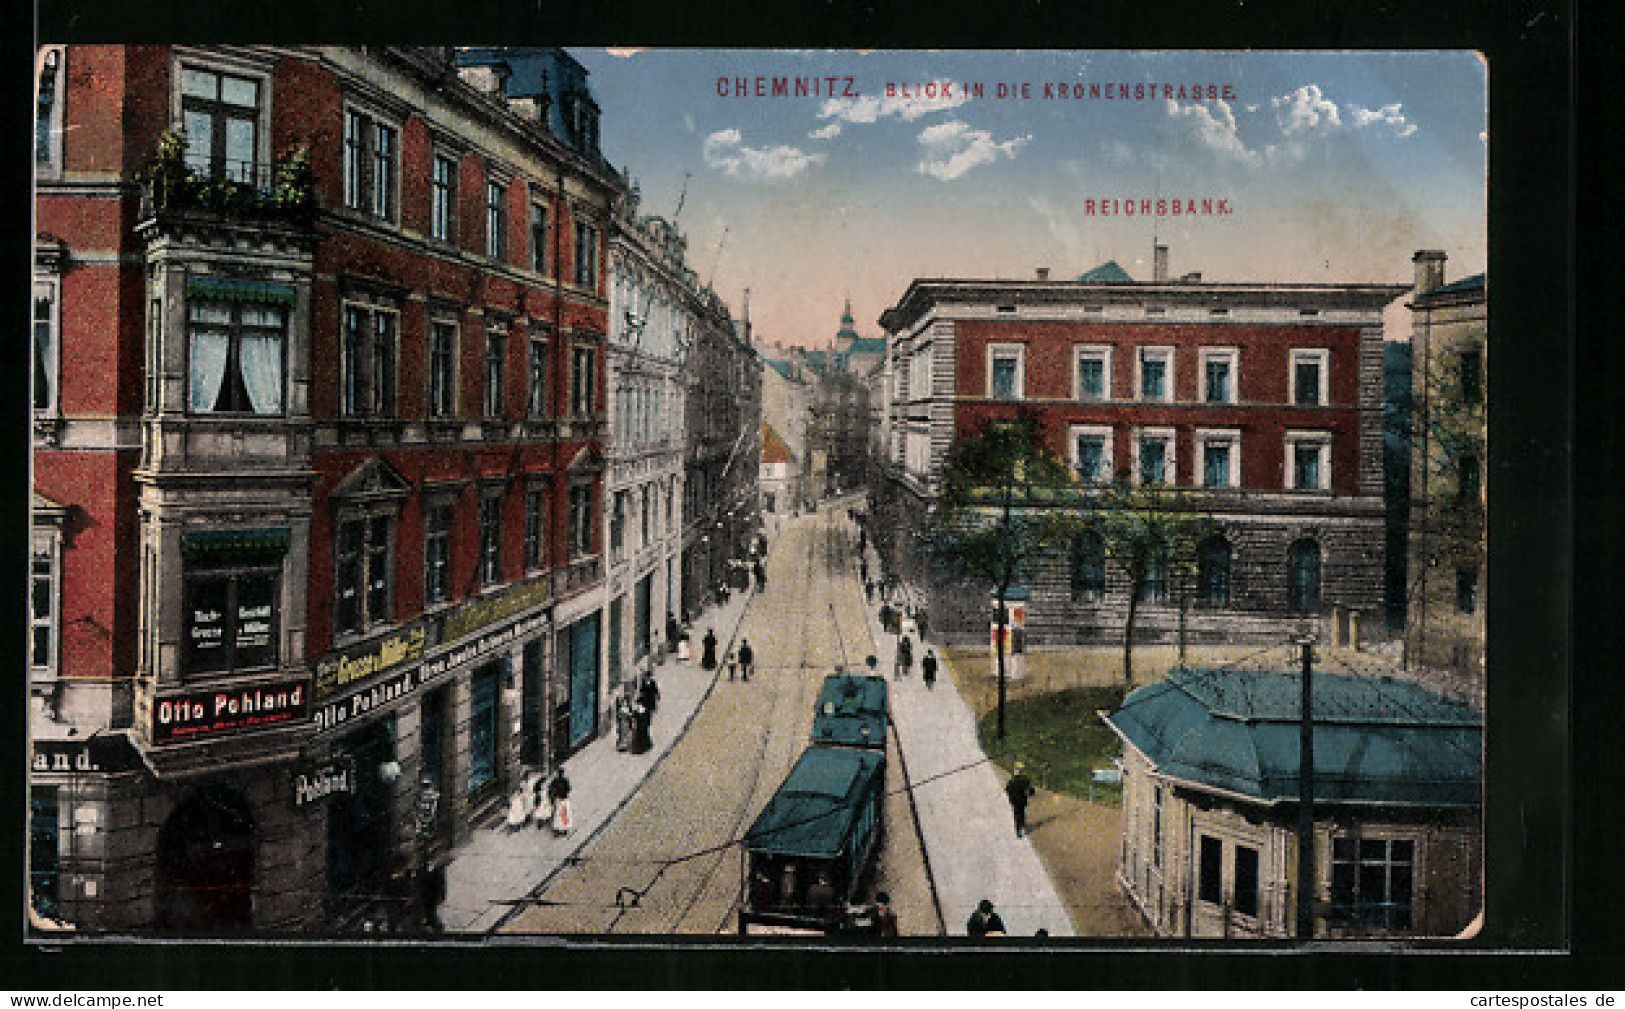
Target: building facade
[(318, 464), (1446, 556), (653, 303), (1210, 806), (1265, 400)]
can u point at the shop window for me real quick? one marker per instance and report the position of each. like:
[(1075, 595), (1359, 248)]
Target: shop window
[(442, 369), (1209, 870), (437, 553), (643, 615), (1303, 572), (221, 116), (358, 845), (433, 739), (238, 351), (368, 361), (1373, 883), (362, 577), (443, 199), (482, 728), (44, 851), (370, 164), (1213, 572), (232, 584)]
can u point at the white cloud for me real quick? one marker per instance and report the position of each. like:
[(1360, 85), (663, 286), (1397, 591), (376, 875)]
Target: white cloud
[(725, 150), (829, 132), (1390, 116), (954, 148), (873, 108), (1216, 128), (1305, 110)]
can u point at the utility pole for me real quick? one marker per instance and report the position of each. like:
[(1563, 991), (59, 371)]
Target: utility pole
[(1306, 795)]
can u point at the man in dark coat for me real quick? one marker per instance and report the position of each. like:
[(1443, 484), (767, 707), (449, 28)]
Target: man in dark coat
[(928, 668), (432, 892), (649, 693), (708, 654), (673, 633), (747, 659), (1019, 789), (984, 921)]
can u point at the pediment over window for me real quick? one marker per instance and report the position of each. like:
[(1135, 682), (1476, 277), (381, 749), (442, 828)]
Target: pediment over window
[(46, 511), (589, 459), (373, 480)]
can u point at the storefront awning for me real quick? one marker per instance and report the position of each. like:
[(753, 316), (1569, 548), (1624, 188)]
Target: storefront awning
[(219, 289), (222, 544)]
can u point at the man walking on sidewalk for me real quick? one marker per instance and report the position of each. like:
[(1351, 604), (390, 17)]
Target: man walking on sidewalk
[(1019, 789), (747, 659), (928, 667)]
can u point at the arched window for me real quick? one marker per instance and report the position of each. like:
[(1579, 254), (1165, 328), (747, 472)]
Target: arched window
[(1088, 566), (48, 110), (1213, 572), (1303, 575)]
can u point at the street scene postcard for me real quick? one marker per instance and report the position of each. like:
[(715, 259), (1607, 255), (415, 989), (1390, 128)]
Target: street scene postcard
[(868, 497)]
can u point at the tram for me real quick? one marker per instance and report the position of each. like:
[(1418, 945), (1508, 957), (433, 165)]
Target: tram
[(851, 711), (810, 851)]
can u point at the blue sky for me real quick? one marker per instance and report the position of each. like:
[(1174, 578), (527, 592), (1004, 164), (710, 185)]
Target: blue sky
[(1337, 167)]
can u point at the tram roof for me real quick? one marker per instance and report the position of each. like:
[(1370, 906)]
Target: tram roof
[(811, 815), (851, 711)]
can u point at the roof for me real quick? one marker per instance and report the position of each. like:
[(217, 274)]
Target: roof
[(1376, 739), (811, 814), (851, 711), (1473, 283), (784, 368), (867, 345), (773, 447), (1107, 273)]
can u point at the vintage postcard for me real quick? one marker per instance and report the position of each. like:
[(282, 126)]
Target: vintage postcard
[(887, 497)]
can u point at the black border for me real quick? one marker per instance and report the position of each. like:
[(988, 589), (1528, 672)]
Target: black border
[(1545, 900)]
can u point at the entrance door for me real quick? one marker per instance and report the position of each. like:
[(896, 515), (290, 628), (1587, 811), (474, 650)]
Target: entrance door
[(533, 704), (358, 822), (205, 874), (615, 658), (583, 681)]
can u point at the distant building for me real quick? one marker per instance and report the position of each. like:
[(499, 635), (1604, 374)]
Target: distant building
[(1449, 341), (1264, 399), (1210, 806), (786, 412), (781, 476)]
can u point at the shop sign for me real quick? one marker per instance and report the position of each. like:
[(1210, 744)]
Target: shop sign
[(340, 712), (93, 753), (323, 780), (482, 646), (338, 673), (201, 714), (484, 612)]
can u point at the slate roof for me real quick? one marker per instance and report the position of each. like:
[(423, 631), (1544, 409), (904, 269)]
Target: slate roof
[(782, 367), (1377, 740), (1107, 273), (1473, 283), (811, 815)]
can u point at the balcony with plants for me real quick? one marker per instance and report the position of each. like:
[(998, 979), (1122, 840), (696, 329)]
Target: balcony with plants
[(176, 183)]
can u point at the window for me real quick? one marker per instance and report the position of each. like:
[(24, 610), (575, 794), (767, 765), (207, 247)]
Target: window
[(1210, 865), (1221, 458), (580, 520), (221, 115), (1213, 572), (1154, 586), (1466, 590), (237, 351), (1156, 374), (368, 361), (1246, 881), (586, 256), (536, 404), (48, 110), (1093, 368), (231, 608), (1308, 461), (1219, 379), (490, 539), (1154, 457), (1372, 882), (1156, 826), (437, 552), (1303, 575), (583, 380), (1309, 377), (1006, 374), (42, 606), (535, 528), (496, 220), (538, 238), (645, 516), (443, 199), (442, 369), (1471, 376), (362, 582), (496, 353), (46, 331), (1092, 453), (617, 525), (1088, 566), (369, 165)]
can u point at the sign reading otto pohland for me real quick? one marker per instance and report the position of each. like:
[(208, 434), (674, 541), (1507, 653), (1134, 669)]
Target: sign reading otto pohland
[(228, 710)]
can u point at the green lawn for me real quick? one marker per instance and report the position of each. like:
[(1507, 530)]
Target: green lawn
[(1060, 738)]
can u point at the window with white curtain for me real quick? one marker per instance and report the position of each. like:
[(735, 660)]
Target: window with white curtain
[(237, 351)]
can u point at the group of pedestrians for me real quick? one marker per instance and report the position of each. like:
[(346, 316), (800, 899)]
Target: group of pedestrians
[(545, 804), (634, 714)]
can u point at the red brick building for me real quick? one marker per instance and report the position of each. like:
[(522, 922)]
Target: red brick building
[(318, 412), (1264, 399)]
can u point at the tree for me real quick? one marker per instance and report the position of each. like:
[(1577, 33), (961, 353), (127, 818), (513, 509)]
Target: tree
[(1152, 535), (1005, 503)]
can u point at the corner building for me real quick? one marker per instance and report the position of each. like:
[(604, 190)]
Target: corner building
[(1266, 399), (318, 415)]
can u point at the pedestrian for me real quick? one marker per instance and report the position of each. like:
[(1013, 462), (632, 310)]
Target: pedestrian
[(761, 577), (641, 740), (541, 811), (1019, 789), (747, 659), (886, 615), (925, 626), (708, 650), (984, 921), (558, 792), (868, 590), (673, 632), (905, 657), (623, 720), (928, 668), (431, 892), (649, 693), (821, 897), (863, 570), (885, 917)]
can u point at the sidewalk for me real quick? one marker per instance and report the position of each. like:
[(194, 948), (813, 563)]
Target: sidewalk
[(970, 838), (494, 868)]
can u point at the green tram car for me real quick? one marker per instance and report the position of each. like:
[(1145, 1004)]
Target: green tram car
[(851, 711), (809, 853)]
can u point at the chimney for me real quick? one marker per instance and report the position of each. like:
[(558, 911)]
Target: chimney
[(1159, 262), (1043, 273), (1429, 265)]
